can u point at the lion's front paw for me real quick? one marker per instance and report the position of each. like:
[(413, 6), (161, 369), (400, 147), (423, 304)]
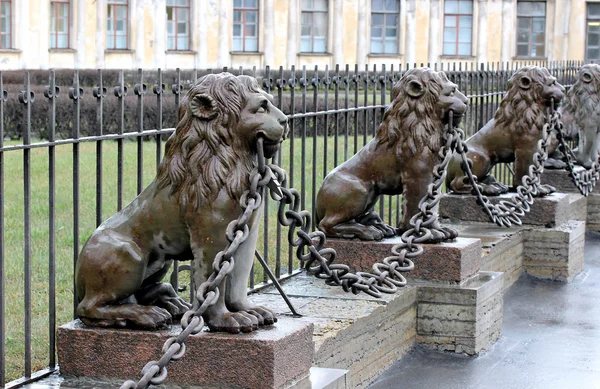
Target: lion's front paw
[(150, 317), (233, 322), (265, 316), (545, 190), (175, 305), (387, 230), (450, 233), (495, 189)]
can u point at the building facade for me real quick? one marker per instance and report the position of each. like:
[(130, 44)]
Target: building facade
[(41, 34)]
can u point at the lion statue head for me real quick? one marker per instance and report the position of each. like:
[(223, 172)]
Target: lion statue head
[(421, 102), (583, 98), (529, 91), (214, 144)]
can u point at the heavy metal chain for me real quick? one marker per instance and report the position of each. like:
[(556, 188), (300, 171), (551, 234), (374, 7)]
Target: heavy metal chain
[(584, 180), (207, 294), (387, 275)]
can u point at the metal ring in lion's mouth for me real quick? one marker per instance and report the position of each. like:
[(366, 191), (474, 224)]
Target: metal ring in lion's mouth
[(270, 148)]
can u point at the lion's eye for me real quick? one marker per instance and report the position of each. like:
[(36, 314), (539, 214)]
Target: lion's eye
[(261, 110)]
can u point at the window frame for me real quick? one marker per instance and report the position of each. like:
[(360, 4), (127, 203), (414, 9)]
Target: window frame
[(313, 11), (587, 20), (398, 13), (10, 26), (456, 17), (530, 44), (56, 16), (243, 9), (175, 36), (116, 3)]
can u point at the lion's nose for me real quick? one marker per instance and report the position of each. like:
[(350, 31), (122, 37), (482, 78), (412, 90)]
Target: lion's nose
[(283, 120)]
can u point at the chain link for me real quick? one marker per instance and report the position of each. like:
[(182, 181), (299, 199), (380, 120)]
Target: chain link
[(584, 180), (508, 212), (207, 294)]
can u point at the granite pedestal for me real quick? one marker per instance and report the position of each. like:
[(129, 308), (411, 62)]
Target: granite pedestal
[(549, 211), (275, 357), (561, 179)]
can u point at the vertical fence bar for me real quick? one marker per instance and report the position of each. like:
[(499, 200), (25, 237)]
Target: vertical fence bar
[(51, 93), (75, 94), (346, 113), (303, 84), (327, 82), (280, 85), (292, 82), (336, 82), (3, 98), (315, 83), (27, 97), (139, 89), (356, 80), (120, 91), (159, 89), (99, 93), (366, 80), (374, 102)]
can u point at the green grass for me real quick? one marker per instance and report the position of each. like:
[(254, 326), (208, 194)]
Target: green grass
[(14, 227)]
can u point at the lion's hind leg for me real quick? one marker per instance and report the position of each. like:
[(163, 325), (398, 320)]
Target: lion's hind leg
[(110, 270), (372, 218)]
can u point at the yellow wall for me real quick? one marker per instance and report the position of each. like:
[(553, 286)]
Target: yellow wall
[(32, 48)]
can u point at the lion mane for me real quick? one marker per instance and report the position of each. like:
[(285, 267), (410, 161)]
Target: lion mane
[(524, 110), (204, 153), (583, 98), (412, 123)]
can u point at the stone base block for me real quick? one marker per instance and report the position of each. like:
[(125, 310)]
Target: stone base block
[(561, 179), (451, 262), (549, 211), (502, 248), (556, 253), (464, 319), (273, 357), (578, 207), (593, 211)]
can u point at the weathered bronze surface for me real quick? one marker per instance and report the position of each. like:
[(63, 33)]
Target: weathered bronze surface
[(399, 160), (581, 114), (184, 213), (512, 135)]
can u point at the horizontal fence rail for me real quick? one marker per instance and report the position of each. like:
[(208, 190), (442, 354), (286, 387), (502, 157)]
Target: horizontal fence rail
[(76, 146)]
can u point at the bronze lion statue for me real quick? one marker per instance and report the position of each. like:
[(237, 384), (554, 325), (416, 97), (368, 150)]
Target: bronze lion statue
[(399, 160), (512, 135), (183, 214), (581, 114)]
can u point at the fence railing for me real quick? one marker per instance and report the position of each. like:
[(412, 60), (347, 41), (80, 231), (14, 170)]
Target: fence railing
[(75, 146)]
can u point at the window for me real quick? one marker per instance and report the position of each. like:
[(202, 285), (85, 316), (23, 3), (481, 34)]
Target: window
[(313, 38), (59, 24), (5, 24), (384, 26), (458, 27), (117, 24), (531, 28), (178, 24), (245, 25), (592, 49)]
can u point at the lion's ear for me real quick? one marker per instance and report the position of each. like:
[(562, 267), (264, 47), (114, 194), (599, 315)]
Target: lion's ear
[(586, 77), (414, 88), (203, 106), (525, 82)]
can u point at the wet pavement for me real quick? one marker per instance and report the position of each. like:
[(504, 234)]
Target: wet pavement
[(550, 340)]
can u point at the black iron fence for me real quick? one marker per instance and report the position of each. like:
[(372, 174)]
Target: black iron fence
[(75, 148)]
